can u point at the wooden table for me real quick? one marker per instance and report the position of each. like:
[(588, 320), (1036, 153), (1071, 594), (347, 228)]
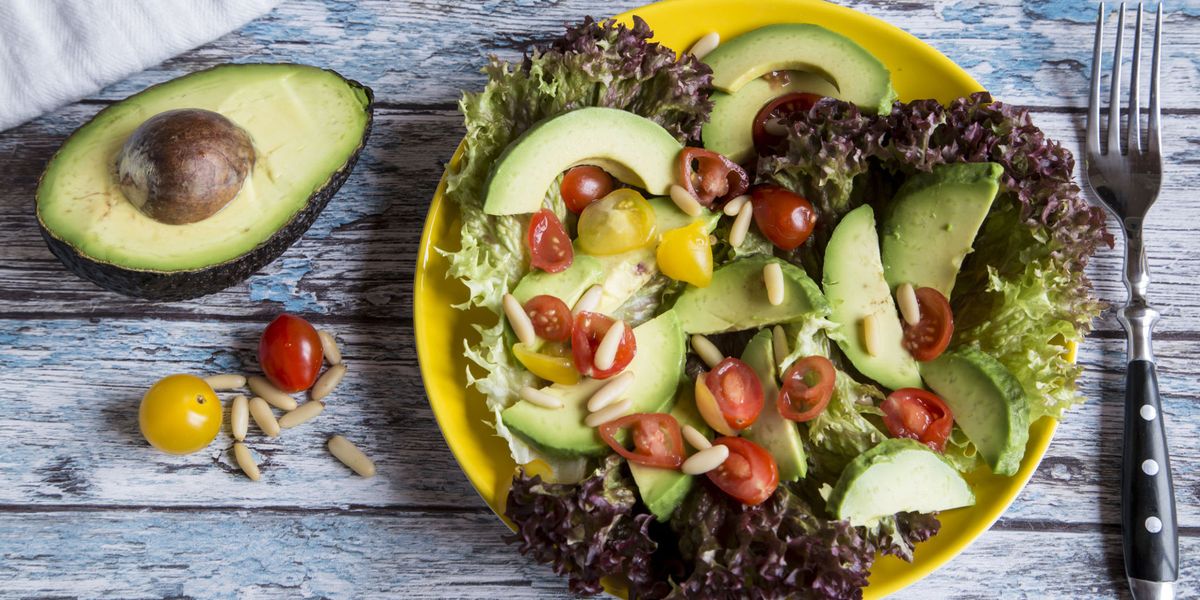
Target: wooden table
[(87, 509)]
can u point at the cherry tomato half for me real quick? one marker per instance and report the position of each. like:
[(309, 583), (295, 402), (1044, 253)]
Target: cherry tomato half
[(584, 185), (767, 122), (290, 354), (618, 222), (547, 364), (589, 329), (929, 338), (711, 177), (749, 474), (180, 414), (918, 415), (807, 388), (657, 441), (552, 320), (787, 219), (549, 244), (737, 391), (685, 254)]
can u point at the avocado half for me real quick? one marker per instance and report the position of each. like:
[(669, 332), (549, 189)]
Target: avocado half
[(307, 125)]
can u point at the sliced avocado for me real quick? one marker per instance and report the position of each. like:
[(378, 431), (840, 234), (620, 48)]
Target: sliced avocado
[(932, 222), (737, 298), (772, 431), (729, 128), (856, 73), (633, 149), (663, 489), (657, 368), (988, 403), (855, 287), (98, 231), (667, 216), (567, 285), (898, 475)]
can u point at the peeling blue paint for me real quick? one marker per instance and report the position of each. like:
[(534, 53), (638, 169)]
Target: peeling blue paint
[(280, 282)]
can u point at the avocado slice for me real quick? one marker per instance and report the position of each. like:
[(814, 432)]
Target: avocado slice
[(662, 490), (897, 475), (729, 128), (633, 149), (99, 234), (657, 368), (780, 436), (737, 298), (566, 285), (855, 287), (859, 76), (988, 403), (932, 222)]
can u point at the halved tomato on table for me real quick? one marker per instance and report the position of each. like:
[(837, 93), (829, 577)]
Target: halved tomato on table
[(731, 396), (549, 245), (710, 177), (589, 329), (919, 415), (749, 475), (807, 388), (930, 337), (657, 440)]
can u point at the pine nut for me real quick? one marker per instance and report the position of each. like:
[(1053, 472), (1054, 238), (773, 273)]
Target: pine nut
[(245, 461), (705, 460), (519, 320), (224, 383), (589, 300), (773, 278), (706, 351), (239, 417), (330, 348), (741, 225), (704, 45), (906, 298), (327, 382), (775, 127), (695, 438), (779, 344), (351, 456), (265, 390), (606, 352), (870, 335), (303, 413), (686, 201), (611, 412), (733, 207), (261, 411), (537, 397), (611, 391)]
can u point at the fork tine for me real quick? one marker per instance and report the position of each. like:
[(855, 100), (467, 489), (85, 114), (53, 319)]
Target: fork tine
[(1114, 84), (1134, 133), (1093, 116), (1155, 140)]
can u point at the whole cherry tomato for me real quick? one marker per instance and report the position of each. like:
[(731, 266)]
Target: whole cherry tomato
[(290, 354)]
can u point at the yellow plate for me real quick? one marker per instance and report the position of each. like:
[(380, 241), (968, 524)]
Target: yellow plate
[(918, 71)]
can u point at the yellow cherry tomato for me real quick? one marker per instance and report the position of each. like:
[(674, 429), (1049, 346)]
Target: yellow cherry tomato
[(616, 223), (180, 414), (684, 254), (559, 369)]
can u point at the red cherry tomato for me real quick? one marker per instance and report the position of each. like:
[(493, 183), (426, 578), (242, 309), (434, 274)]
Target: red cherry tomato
[(290, 354), (749, 474), (657, 441), (767, 121), (786, 219), (549, 244), (552, 320), (711, 177), (807, 388), (738, 392), (918, 415), (929, 338), (589, 329), (584, 185)]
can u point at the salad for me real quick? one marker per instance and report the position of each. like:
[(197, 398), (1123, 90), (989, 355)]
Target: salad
[(755, 316)]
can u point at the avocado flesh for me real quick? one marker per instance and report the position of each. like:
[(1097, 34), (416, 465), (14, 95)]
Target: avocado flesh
[(855, 286), (897, 475), (932, 222), (737, 298), (662, 490), (567, 285), (857, 74), (987, 402), (633, 149), (729, 128), (284, 108), (780, 436), (657, 367)]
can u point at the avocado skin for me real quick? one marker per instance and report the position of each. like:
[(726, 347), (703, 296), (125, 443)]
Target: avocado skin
[(167, 286)]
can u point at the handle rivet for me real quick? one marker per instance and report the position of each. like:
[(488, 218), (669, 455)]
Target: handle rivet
[(1149, 467), (1153, 524), (1148, 412)]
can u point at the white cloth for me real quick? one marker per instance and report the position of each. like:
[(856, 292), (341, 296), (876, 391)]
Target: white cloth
[(53, 52)]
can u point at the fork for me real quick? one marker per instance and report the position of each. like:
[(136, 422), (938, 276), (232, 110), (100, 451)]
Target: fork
[(1127, 184)]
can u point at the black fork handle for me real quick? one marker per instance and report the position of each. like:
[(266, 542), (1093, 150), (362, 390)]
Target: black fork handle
[(1151, 542)]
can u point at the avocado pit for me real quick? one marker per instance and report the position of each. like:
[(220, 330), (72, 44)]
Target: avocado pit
[(182, 166)]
